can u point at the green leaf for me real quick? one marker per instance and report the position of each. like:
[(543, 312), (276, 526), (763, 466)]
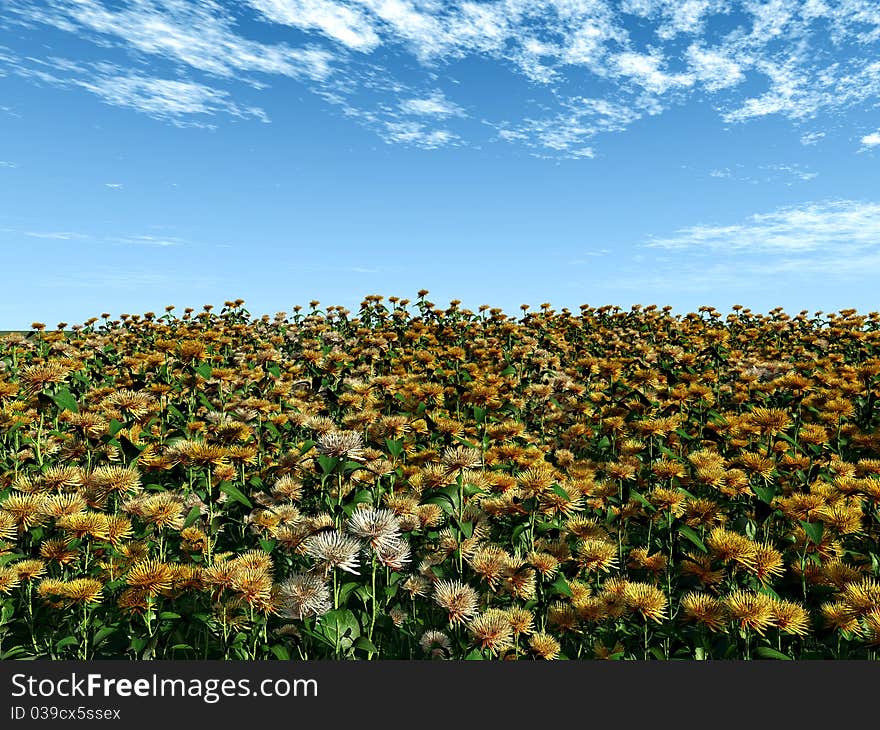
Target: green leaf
[(8, 558), (467, 528), (234, 493), (280, 652), (443, 501), (6, 613), (192, 516), (767, 590), (560, 492), (102, 634), (12, 653), (267, 545), (66, 641), (767, 652), (691, 535), (466, 442), (751, 529), (765, 494), (131, 451), (65, 401), (475, 655), (641, 498), (787, 438), (509, 370), (205, 370), (362, 497), (560, 585), (364, 643), (716, 416), (345, 589), (813, 530), (340, 628), (115, 427), (168, 616), (395, 447), (328, 463)]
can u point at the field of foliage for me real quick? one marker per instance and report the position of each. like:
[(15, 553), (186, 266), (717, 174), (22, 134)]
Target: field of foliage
[(410, 481)]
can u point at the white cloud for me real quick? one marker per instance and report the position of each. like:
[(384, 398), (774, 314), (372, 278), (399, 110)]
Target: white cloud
[(418, 134), (810, 138), (784, 251), (198, 33), (129, 279), (790, 173), (114, 186), (342, 23), (871, 140), (168, 98), (173, 100), (160, 241), (8, 164), (715, 70), (647, 71), (840, 226), (127, 240), (56, 235), (753, 58), (435, 105)]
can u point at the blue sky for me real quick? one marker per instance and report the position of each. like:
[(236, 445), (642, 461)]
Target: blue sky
[(681, 152)]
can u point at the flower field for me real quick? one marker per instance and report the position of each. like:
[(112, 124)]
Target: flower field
[(415, 482)]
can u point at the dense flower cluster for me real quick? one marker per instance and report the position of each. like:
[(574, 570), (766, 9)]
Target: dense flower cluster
[(410, 481)]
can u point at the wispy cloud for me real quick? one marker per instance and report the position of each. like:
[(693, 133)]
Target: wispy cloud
[(778, 173), (166, 98), (811, 138), (840, 226), (56, 235), (797, 59), (588, 257), (120, 278), (435, 105), (418, 134), (178, 101), (196, 33), (162, 241), (347, 25), (8, 165)]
